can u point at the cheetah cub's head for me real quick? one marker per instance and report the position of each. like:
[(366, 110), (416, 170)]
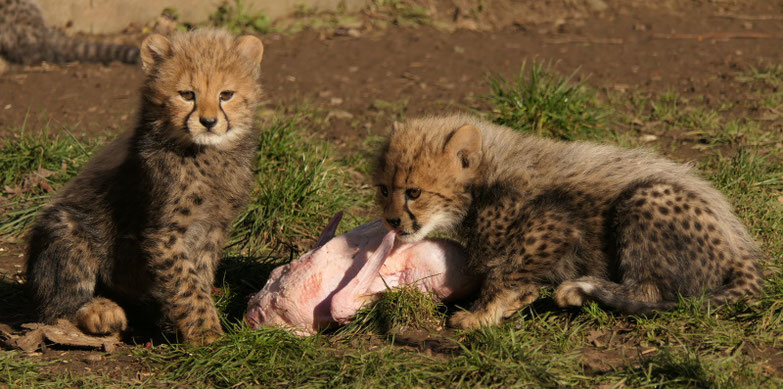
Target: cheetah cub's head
[(202, 86), (423, 175)]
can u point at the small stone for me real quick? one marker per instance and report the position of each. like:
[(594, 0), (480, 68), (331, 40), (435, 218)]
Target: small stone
[(597, 5), (780, 199), (335, 101), (90, 358), (648, 138), (340, 114), (467, 24)]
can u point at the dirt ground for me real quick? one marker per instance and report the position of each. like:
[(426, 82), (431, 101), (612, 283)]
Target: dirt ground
[(692, 49)]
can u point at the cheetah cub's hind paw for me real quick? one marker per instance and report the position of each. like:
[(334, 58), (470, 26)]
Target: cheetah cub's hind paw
[(573, 293), (101, 316)]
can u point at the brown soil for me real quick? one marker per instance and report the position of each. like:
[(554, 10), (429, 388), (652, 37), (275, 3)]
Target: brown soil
[(420, 70), (366, 81)]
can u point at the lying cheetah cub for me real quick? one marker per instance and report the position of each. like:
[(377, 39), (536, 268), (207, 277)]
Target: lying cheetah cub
[(145, 220), (626, 228)]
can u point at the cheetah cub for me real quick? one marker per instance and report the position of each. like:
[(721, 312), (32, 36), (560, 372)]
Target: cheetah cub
[(143, 224), (626, 228)]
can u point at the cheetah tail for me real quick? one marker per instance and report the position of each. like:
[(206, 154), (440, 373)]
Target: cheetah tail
[(63, 48), (615, 297), (618, 301)]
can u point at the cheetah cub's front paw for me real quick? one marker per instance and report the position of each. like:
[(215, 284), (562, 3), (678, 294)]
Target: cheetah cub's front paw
[(572, 293), (465, 320), (203, 338), (101, 316)]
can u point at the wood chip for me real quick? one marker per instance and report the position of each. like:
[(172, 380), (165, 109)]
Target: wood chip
[(649, 350), (719, 36), (63, 333)]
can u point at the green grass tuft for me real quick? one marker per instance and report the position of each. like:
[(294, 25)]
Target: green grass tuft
[(240, 19), (297, 189), (398, 309), (540, 101), (16, 371), (31, 166)]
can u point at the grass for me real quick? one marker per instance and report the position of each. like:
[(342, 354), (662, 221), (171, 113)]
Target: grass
[(397, 310), (297, 190), (542, 102), (301, 182), (400, 12), (17, 371), (31, 167), (240, 19)]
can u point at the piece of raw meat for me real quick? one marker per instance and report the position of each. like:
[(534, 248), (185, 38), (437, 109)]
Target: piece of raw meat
[(329, 284)]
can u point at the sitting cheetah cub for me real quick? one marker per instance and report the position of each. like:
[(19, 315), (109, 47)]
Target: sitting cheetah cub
[(626, 228), (145, 220)]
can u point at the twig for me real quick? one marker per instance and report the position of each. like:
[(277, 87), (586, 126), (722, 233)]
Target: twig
[(600, 41), (750, 17), (719, 35)]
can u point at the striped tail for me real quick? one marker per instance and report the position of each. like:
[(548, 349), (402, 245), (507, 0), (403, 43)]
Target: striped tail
[(63, 48), (627, 304), (609, 294), (625, 298)]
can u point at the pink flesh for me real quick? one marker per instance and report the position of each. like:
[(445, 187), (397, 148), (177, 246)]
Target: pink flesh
[(329, 284)]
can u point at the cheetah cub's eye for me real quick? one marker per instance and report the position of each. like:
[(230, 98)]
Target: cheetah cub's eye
[(226, 95), (187, 95), (384, 190), (413, 194)]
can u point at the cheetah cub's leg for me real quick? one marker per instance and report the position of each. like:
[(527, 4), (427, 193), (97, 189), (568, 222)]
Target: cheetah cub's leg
[(540, 246), (61, 275), (183, 288), (506, 289)]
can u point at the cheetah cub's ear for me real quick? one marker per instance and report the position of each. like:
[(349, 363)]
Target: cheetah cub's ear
[(250, 47), (154, 49), (463, 147)]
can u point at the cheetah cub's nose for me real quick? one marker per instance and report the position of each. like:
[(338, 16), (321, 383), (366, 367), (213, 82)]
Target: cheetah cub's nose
[(208, 122), (394, 222)]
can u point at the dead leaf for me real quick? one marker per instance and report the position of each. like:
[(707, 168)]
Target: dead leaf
[(594, 337), (45, 173), (30, 341), (15, 190)]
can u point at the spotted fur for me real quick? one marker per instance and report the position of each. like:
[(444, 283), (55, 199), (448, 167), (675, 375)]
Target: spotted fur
[(26, 39), (627, 228), (145, 220)]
